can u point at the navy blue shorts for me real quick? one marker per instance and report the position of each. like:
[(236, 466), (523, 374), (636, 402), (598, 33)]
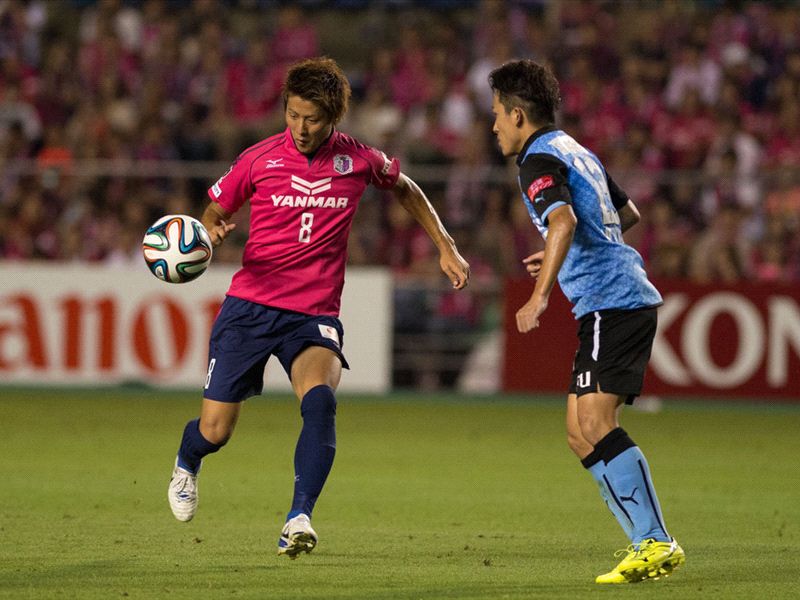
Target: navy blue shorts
[(246, 334)]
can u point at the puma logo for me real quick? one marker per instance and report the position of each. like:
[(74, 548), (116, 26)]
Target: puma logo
[(630, 498)]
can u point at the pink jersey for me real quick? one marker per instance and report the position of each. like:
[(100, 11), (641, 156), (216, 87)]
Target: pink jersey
[(301, 212)]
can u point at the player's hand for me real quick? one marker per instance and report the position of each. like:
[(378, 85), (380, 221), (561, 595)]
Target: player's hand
[(528, 315), (456, 269), (533, 263), (220, 231)]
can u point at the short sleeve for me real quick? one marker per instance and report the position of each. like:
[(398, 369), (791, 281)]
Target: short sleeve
[(384, 171), (234, 188), (543, 179), (618, 196)]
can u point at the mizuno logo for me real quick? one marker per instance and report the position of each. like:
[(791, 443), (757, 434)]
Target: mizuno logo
[(274, 162), (310, 187)]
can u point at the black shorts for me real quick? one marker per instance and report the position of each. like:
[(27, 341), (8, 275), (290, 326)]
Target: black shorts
[(613, 351)]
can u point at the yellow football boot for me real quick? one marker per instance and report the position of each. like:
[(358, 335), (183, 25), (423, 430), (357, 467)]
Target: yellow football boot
[(649, 560)]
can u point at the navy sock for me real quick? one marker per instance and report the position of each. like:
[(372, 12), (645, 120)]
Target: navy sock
[(194, 447), (316, 447), (627, 478)]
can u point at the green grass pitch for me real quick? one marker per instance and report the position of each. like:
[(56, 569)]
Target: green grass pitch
[(435, 496)]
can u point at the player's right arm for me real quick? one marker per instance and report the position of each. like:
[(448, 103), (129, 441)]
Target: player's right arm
[(626, 209), (215, 220), (227, 196), (628, 215)]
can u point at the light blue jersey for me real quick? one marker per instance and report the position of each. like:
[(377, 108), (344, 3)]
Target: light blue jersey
[(600, 271)]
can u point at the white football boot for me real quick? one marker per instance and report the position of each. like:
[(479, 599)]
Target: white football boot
[(182, 493), (297, 536)]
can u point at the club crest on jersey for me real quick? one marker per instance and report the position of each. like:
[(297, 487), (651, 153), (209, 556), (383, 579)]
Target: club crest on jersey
[(342, 164)]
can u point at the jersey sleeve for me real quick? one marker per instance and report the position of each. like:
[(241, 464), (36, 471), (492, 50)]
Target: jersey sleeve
[(543, 178), (618, 196), (384, 171), (234, 188)]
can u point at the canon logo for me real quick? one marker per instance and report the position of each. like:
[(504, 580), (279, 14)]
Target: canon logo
[(765, 338), (74, 334), (71, 324)]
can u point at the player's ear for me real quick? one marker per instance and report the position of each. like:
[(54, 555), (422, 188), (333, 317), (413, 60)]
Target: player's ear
[(519, 116)]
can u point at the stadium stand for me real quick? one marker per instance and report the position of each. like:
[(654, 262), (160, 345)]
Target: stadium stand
[(115, 112)]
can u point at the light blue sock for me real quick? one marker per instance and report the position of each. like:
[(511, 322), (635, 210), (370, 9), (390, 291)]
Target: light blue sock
[(627, 477), (598, 471)]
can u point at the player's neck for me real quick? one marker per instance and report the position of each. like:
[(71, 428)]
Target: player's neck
[(310, 155), (536, 127)]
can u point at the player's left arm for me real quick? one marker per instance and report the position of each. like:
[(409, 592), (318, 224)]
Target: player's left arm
[(560, 231), (414, 200), (544, 181), (626, 209)]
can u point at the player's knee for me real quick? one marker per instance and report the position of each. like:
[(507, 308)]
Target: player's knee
[(319, 414), (594, 427), (578, 444), (217, 431), (319, 403)]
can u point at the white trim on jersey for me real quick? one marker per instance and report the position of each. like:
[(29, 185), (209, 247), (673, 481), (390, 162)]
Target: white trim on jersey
[(310, 187)]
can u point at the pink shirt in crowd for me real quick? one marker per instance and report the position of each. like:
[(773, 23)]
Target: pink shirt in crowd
[(301, 212)]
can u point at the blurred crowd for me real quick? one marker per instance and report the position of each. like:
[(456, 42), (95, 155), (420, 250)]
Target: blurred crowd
[(694, 107)]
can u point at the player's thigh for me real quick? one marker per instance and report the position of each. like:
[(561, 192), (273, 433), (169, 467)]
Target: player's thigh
[(240, 344), (577, 443), (597, 414), (311, 352), (315, 365), (614, 349)]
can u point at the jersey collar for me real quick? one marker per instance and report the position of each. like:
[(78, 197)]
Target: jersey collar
[(534, 136)]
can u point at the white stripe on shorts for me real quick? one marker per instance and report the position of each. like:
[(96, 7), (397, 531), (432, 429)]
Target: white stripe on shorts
[(596, 342)]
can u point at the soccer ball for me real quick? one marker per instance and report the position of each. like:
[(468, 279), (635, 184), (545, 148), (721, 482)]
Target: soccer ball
[(177, 248)]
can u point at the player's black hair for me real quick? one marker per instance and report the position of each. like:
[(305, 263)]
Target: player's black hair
[(321, 81), (529, 86)]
